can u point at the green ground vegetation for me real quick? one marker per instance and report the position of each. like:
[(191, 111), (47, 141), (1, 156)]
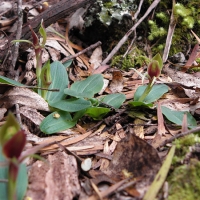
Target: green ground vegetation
[(184, 178), (187, 17)]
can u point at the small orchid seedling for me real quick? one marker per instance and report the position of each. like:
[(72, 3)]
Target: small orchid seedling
[(12, 142), (153, 71), (38, 46)]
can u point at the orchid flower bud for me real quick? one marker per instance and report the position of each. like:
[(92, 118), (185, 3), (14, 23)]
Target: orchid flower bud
[(34, 36), (155, 67), (15, 145), (12, 138)]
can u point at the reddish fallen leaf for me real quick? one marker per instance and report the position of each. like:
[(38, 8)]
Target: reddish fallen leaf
[(184, 124), (191, 59), (161, 126), (117, 82)]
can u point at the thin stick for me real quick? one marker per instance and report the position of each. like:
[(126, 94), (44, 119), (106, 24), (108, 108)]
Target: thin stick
[(135, 34), (130, 46), (81, 52), (138, 10), (19, 33), (123, 40), (180, 135), (18, 115), (170, 34)]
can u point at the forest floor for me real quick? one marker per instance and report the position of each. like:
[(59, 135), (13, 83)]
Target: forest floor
[(119, 148)]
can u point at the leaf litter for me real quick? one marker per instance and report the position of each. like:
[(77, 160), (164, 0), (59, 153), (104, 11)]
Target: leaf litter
[(119, 152)]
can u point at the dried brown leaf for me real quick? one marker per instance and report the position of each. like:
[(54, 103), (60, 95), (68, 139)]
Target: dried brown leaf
[(135, 156), (25, 97), (96, 58), (184, 124), (117, 82), (161, 126), (139, 129)]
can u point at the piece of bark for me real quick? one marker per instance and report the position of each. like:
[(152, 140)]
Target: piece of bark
[(55, 179)]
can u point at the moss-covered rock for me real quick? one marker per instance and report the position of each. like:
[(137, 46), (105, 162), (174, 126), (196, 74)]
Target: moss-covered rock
[(135, 58), (184, 182), (184, 177)]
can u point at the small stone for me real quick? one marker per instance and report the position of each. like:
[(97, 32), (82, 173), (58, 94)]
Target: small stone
[(178, 58)]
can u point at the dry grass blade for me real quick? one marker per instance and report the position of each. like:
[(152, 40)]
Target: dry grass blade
[(197, 38), (160, 177)]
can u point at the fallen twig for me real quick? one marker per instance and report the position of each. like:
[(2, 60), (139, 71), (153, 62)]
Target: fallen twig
[(170, 34), (124, 39), (135, 34), (81, 52), (18, 35), (138, 10), (180, 135)]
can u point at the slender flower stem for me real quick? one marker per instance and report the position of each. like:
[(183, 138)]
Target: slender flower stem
[(12, 180), (146, 92), (38, 53)]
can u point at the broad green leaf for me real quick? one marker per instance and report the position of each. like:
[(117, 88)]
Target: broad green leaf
[(59, 80), (3, 175), (45, 77), (156, 92), (97, 113), (79, 114), (57, 121), (67, 63), (134, 104), (137, 113), (114, 100), (22, 180), (92, 84), (94, 101), (8, 81), (73, 93), (71, 105), (177, 116)]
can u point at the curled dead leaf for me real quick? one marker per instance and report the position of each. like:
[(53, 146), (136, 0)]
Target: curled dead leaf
[(116, 84), (24, 96), (137, 157)]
